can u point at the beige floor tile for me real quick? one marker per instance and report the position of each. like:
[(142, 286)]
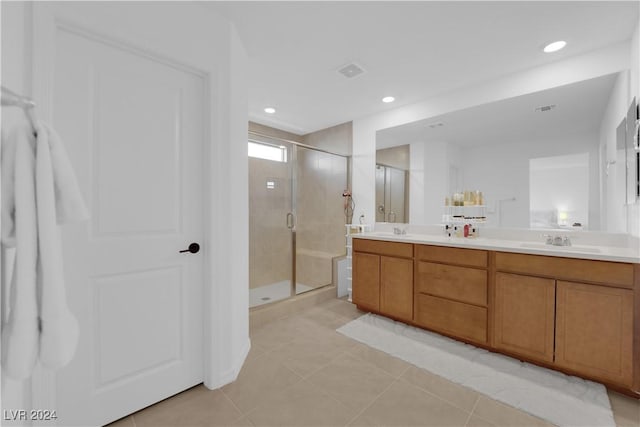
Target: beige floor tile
[(123, 422), (460, 396), (242, 422), (275, 333), (195, 407), (323, 317), (504, 415), (306, 354), (404, 404), (259, 378), (254, 352), (391, 365), (351, 381), (476, 421), (302, 404), (626, 410), (343, 308)]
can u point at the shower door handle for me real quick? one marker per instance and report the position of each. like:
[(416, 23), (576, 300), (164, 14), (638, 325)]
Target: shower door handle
[(290, 221)]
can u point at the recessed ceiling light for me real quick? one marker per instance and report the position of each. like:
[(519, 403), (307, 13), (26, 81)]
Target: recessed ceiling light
[(270, 110), (555, 46), (388, 99)]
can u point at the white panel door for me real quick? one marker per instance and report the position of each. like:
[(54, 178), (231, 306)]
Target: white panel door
[(133, 125)]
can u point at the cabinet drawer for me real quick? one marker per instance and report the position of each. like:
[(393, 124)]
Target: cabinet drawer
[(457, 256), (459, 283), (608, 273), (451, 317), (381, 247)]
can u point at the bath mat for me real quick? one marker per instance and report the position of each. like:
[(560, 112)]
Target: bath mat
[(553, 396)]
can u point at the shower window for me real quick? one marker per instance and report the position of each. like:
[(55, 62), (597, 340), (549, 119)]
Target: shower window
[(277, 153)]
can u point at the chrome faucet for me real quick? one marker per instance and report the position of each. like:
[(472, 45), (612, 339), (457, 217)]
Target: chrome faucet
[(399, 231), (557, 240)]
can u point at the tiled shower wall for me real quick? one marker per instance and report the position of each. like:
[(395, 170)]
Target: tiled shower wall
[(321, 179)]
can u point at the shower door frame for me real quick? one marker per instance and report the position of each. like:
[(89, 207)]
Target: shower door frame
[(293, 168)]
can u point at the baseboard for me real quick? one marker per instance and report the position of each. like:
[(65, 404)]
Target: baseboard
[(232, 373)]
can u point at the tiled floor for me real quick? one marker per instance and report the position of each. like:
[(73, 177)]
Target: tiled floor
[(300, 372)]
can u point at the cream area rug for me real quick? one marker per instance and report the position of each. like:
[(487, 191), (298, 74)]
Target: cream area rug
[(553, 396)]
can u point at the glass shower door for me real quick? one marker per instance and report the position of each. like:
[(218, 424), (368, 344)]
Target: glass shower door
[(320, 179), (270, 221)]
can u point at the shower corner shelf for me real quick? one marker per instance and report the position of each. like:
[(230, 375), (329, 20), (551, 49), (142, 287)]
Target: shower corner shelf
[(352, 229)]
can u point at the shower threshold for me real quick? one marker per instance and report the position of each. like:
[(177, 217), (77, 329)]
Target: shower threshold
[(274, 292)]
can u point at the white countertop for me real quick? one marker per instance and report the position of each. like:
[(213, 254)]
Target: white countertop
[(594, 252)]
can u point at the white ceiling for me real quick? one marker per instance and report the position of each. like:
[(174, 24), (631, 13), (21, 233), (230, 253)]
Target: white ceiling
[(411, 50), (579, 107)]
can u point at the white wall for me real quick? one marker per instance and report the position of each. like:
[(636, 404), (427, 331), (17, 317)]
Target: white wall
[(633, 211), (501, 171), (416, 182), (613, 177), (594, 64), (214, 47), (559, 184)]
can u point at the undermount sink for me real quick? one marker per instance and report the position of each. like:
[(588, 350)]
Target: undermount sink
[(534, 245)]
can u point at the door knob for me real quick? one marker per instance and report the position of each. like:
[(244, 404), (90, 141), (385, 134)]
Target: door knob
[(194, 248)]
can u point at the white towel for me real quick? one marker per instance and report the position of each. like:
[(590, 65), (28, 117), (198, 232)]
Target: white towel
[(20, 332), (41, 192), (58, 201)]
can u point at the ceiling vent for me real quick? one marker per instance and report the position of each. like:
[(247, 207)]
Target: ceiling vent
[(351, 70), (545, 108), (435, 125)]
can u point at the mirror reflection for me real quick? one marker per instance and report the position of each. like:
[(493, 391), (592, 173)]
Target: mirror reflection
[(392, 184), (543, 160)]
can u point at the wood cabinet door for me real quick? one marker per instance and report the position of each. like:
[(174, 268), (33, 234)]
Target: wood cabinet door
[(594, 331), (396, 287), (524, 315), (365, 287)]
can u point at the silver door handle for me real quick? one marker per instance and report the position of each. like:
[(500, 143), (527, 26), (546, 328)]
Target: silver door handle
[(290, 221)]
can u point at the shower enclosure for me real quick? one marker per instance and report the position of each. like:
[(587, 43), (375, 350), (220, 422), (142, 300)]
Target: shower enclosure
[(391, 194), (296, 217)]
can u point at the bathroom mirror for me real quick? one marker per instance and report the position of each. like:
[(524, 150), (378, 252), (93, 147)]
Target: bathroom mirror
[(632, 152), (546, 159), (392, 184)]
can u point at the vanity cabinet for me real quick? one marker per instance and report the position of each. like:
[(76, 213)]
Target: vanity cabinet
[(575, 315), (589, 324), (451, 291), (383, 277), (524, 315)]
